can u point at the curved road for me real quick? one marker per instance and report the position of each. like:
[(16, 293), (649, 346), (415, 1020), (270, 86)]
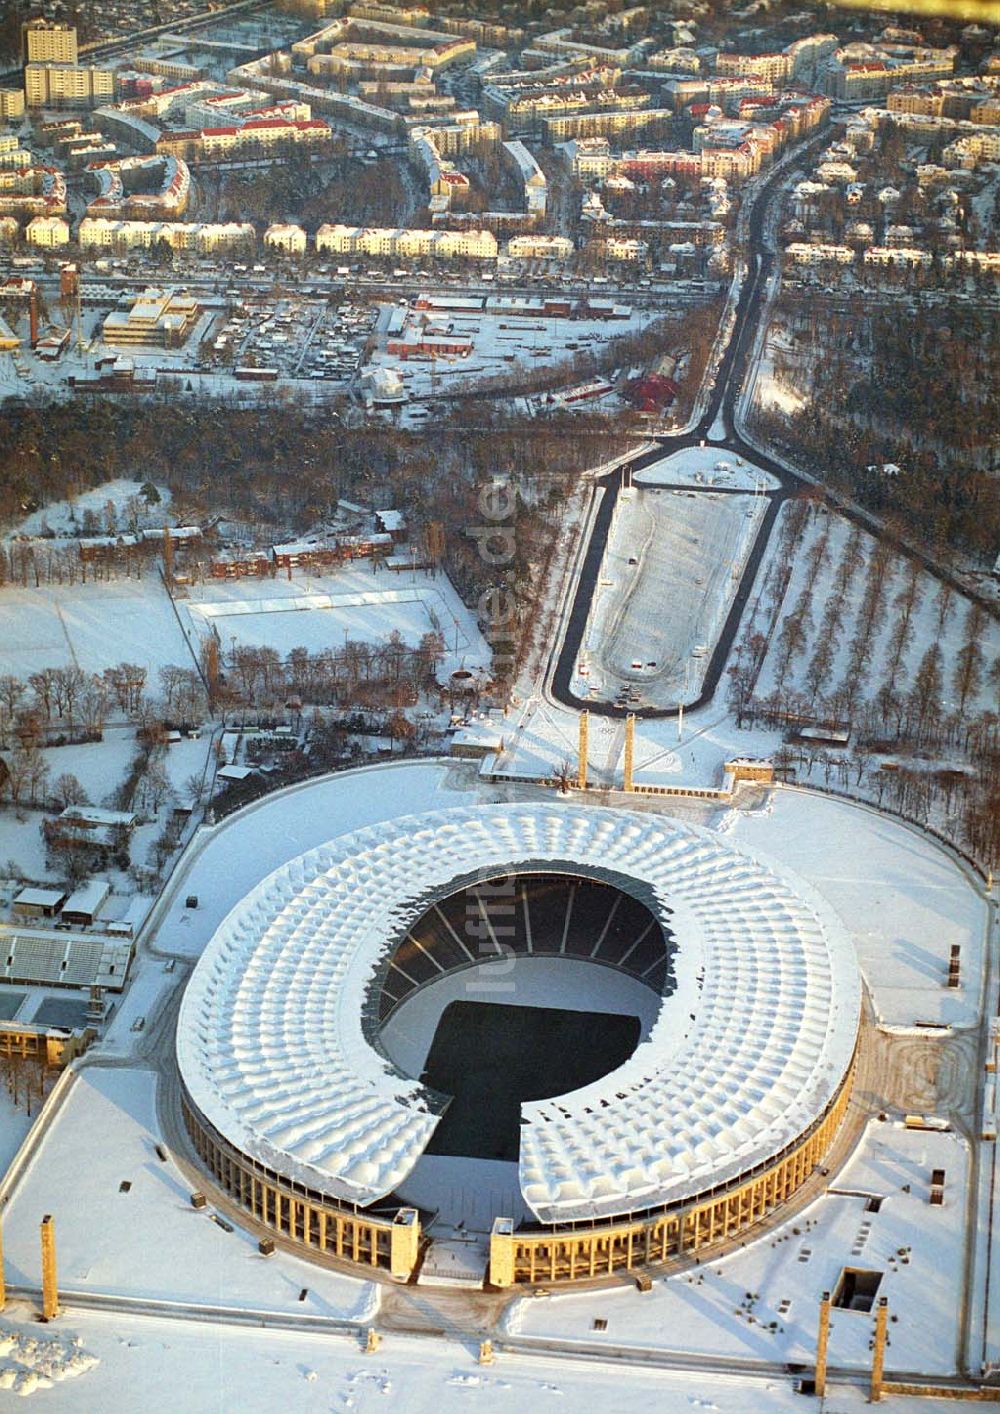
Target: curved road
[(728, 383), (723, 402)]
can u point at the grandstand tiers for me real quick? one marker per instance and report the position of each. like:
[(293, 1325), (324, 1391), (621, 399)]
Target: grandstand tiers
[(752, 1048), (529, 915)]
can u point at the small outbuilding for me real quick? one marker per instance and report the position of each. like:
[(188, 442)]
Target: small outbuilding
[(85, 903), (37, 903)]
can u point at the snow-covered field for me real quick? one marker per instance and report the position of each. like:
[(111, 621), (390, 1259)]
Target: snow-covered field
[(706, 1310), (14, 1125), (99, 624), (65, 518), (827, 537), (164, 1367), (671, 567), (94, 626), (319, 612)]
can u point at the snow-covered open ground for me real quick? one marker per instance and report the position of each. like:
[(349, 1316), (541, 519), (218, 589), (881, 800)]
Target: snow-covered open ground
[(671, 568), (99, 624), (100, 766), (230, 858), (65, 518), (903, 899), (94, 626), (931, 621), (165, 1366), (148, 1240), (705, 467)]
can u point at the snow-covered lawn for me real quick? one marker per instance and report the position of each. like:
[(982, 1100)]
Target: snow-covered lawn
[(927, 626), (172, 1367), (671, 567), (785, 1272), (147, 1240), (65, 518), (94, 626), (14, 1125)]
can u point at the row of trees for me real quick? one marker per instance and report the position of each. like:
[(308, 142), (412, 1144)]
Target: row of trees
[(261, 677), (914, 712)]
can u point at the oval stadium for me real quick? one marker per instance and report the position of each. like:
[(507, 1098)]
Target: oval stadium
[(529, 1043)]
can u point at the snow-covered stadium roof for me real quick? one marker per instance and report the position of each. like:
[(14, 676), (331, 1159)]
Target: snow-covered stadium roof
[(274, 1035)]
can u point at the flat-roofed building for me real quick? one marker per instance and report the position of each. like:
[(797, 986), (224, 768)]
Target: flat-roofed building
[(67, 85), (47, 42), (37, 903), (160, 317), (85, 903)]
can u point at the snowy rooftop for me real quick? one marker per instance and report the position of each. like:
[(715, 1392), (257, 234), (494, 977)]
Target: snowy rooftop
[(746, 1052)]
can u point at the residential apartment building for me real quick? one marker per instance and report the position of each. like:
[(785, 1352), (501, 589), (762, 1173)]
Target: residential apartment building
[(67, 85), (284, 237), (388, 242), (47, 231), (203, 237), (45, 42)]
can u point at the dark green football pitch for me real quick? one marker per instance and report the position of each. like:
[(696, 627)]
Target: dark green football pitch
[(490, 1057)]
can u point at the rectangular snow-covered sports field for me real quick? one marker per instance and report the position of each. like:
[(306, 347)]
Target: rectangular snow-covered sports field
[(671, 568), (321, 612)]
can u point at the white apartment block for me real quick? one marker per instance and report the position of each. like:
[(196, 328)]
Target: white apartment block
[(285, 237), (539, 248), (900, 257), (802, 253), (205, 238), (48, 231), (388, 242)]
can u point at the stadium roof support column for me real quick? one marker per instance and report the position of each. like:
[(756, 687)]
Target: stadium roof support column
[(629, 750), (502, 1252), (582, 769)]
